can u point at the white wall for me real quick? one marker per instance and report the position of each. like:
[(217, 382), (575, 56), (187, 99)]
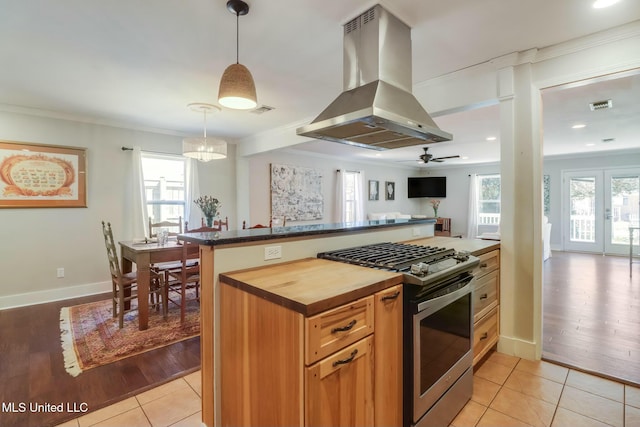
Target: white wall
[(259, 185), (35, 242)]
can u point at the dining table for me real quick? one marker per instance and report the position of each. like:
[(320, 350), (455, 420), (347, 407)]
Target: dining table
[(144, 254)]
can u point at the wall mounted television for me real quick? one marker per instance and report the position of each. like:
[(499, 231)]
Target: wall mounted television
[(427, 186)]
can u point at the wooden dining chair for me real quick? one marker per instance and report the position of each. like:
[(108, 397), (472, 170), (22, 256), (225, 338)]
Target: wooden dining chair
[(125, 286), (181, 279), (219, 223), (176, 226), (203, 229), (244, 225)]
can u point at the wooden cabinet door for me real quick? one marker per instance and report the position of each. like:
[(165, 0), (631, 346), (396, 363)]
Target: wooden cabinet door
[(388, 357), (339, 388)]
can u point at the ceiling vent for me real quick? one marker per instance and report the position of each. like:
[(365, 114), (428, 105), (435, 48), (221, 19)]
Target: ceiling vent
[(601, 105), (262, 109)]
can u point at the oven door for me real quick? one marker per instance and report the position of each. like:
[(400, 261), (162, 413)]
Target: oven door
[(442, 338)]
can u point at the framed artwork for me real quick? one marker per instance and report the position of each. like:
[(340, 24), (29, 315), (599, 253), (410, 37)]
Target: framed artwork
[(389, 190), (296, 193), (547, 194), (374, 190), (42, 176)]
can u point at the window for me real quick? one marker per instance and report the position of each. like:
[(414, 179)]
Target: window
[(165, 186), (488, 203)]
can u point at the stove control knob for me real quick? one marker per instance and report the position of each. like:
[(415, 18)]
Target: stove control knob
[(415, 269)]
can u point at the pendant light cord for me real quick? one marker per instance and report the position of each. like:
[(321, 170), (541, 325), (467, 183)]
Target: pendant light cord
[(237, 37), (204, 112)]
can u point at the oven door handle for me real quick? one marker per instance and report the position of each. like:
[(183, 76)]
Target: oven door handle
[(435, 304)]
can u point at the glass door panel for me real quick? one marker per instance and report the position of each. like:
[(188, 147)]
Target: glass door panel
[(583, 213), (622, 208)]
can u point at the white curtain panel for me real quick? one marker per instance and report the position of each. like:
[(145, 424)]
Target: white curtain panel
[(340, 213), (359, 211), (191, 211), (472, 220), (138, 201)]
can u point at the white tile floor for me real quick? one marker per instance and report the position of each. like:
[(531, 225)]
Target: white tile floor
[(507, 391)]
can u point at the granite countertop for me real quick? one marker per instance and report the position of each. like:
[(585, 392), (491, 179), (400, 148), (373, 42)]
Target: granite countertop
[(258, 234), (311, 285)]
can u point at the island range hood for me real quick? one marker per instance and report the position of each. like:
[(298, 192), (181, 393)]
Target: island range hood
[(377, 109)]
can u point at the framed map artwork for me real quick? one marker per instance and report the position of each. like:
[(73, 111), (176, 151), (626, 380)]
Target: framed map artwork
[(42, 176)]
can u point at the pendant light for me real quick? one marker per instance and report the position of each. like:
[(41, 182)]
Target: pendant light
[(206, 148), (237, 89)]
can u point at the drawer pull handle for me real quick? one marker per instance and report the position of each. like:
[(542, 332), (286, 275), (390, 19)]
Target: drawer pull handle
[(390, 297), (484, 336), (484, 265), (344, 328), (347, 360), (483, 296)]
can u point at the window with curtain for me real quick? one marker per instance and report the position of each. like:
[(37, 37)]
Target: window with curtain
[(488, 203), (349, 205), (165, 184)]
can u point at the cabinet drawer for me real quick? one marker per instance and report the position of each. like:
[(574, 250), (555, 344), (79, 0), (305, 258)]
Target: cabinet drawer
[(485, 334), (335, 329), (488, 262), (485, 294)]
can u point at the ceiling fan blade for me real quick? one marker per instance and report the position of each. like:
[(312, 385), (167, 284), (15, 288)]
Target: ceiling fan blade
[(436, 160), (447, 157)]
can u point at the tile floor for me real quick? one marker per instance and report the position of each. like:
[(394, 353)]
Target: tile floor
[(175, 404), (507, 391)]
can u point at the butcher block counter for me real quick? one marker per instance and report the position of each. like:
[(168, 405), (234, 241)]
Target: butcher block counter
[(309, 343), (311, 285)]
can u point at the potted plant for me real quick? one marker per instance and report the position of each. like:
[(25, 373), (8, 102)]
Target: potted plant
[(209, 206)]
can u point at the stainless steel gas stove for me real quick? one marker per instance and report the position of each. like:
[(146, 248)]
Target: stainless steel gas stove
[(421, 265), (438, 324)]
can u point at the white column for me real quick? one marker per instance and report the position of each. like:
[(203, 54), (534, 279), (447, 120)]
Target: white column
[(521, 212)]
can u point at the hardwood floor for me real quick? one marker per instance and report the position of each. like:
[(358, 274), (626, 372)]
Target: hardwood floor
[(591, 314), (32, 368)]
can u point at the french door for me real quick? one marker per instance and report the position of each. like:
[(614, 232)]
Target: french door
[(598, 208)]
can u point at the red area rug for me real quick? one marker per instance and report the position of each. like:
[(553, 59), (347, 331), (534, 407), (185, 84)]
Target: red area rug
[(91, 337)]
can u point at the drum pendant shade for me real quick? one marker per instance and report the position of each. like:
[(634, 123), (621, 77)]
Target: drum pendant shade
[(204, 148)]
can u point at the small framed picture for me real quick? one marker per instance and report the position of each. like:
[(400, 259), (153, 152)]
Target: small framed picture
[(389, 190), (374, 190)]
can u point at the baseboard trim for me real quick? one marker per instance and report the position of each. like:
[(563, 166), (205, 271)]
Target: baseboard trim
[(49, 295), (517, 347)]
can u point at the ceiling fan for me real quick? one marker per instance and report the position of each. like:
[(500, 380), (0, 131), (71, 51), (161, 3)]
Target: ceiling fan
[(426, 157)]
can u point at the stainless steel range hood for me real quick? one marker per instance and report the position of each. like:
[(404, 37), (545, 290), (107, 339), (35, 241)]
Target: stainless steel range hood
[(377, 109)]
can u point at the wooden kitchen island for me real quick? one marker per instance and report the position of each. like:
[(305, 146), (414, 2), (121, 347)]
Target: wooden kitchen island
[(243, 251)]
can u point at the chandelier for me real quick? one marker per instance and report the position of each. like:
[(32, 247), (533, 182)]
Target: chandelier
[(204, 148)]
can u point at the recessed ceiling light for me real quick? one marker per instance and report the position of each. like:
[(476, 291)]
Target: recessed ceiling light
[(378, 154), (491, 138), (591, 144), (578, 126), (465, 158), (600, 4)]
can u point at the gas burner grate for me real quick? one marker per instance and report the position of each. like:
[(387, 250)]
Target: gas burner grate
[(388, 256)]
